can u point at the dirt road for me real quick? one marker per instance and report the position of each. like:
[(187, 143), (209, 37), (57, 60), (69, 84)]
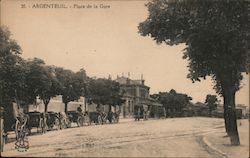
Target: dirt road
[(175, 137)]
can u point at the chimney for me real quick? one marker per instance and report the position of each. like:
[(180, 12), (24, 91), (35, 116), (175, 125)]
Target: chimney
[(110, 78), (128, 81), (142, 80), (128, 74)]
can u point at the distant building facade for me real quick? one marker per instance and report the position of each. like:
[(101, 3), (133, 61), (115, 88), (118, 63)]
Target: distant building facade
[(136, 94), (56, 105), (243, 109), (201, 109)]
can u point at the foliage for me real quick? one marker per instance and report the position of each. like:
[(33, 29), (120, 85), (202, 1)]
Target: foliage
[(36, 79), (211, 101), (65, 78), (172, 100), (23, 81), (71, 85), (27, 79), (105, 92), (11, 67), (51, 87), (216, 34), (80, 81)]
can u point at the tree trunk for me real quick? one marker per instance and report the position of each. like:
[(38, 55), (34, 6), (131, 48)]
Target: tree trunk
[(85, 104), (46, 107), (65, 107), (229, 98), (46, 103), (234, 135), (226, 118), (110, 108)]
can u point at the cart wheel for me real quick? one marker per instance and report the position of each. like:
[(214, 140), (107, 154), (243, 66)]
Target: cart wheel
[(68, 123), (63, 124), (57, 124), (86, 121), (99, 120)]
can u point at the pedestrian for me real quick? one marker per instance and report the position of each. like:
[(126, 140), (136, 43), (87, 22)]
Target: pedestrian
[(148, 113), (137, 115), (144, 115), (79, 109)]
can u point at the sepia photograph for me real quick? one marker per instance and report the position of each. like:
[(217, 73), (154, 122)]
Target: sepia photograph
[(124, 78)]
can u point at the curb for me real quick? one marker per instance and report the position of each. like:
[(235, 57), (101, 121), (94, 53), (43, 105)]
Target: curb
[(211, 147)]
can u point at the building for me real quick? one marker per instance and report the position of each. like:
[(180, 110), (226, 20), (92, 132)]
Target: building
[(243, 109), (56, 105), (136, 94)]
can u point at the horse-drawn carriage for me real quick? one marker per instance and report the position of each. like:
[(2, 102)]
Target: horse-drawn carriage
[(98, 117), (79, 118), (43, 121), (113, 117), (53, 120), (36, 120), (64, 121), (116, 116)]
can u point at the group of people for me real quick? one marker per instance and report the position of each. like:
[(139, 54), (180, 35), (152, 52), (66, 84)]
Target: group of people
[(140, 113)]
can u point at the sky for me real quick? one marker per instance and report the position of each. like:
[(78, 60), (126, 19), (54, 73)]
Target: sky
[(103, 41)]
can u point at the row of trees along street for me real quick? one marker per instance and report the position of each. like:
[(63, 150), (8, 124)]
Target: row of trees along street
[(22, 81), (172, 101), (216, 34), (176, 103)]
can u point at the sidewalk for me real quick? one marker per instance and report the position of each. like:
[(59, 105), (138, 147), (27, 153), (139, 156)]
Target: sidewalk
[(218, 141)]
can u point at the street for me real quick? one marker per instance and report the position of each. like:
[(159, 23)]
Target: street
[(172, 137)]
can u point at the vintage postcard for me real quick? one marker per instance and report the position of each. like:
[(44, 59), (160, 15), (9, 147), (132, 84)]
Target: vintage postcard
[(124, 78)]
